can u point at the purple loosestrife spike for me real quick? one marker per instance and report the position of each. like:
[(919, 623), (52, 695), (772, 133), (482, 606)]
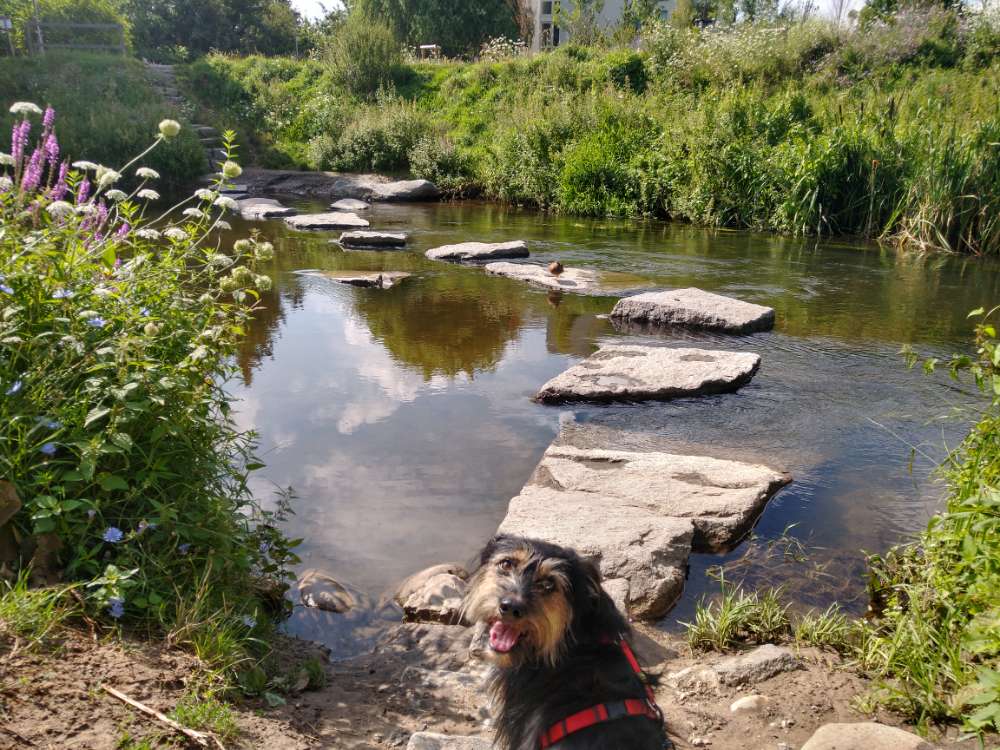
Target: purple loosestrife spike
[(33, 174), (83, 192), (52, 149), (60, 189), (19, 141), (102, 214), (49, 119), (122, 233)]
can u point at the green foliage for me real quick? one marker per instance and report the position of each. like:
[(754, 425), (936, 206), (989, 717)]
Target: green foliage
[(33, 614), (830, 628), (205, 712), (65, 11), (737, 616), (117, 339), (458, 28), (107, 108), (364, 54), (936, 641)]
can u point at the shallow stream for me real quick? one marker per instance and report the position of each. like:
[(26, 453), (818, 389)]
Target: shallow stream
[(402, 417)]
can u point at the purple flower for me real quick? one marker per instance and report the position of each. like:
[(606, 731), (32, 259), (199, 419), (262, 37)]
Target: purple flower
[(48, 423), (49, 449), (144, 312), (19, 141), (51, 149), (62, 294), (264, 548), (91, 513), (112, 535), (249, 621), (14, 388), (116, 607), (6, 289), (97, 322), (49, 118), (83, 192), (184, 548), (123, 231), (61, 188), (33, 174), (102, 213)]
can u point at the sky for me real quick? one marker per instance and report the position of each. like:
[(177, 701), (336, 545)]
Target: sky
[(314, 9)]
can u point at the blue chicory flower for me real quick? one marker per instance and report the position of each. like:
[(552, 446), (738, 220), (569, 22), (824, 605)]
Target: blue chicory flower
[(14, 388), (249, 621), (97, 322), (264, 548), (49, 449), (6, 289), (113, 535), (62, 294), (183, 548), (144, 312), (116, 607)]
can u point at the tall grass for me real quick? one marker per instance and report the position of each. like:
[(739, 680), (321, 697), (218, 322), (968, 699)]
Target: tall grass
[(887, 132)]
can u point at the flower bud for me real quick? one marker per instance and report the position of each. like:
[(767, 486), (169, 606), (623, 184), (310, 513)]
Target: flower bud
[(265, 251), (242, 246), (263, 283), (151, 329), (231, 170), (169, 128)]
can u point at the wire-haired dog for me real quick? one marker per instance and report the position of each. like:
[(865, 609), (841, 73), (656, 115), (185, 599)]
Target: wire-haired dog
[(564, 673)]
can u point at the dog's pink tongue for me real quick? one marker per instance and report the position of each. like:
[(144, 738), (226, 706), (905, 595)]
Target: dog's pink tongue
[(503, 637)]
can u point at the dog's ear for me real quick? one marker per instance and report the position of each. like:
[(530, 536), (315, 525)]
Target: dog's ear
[(596, 615), (587, 583), (491, 547)]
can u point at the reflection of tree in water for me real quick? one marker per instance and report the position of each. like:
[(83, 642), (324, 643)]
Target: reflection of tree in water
[(259, 340), (573, 325), (445, 324)]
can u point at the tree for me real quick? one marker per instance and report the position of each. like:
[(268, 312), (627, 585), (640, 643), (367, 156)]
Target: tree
[(458, 27)]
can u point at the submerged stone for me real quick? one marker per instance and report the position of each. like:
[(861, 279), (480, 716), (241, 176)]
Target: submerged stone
[(577, 280), (373, 239), (329, 220), (375, 279), (696, 309), (259, 209), (349, 204), (638, 373), (319, 590), (479, 251)]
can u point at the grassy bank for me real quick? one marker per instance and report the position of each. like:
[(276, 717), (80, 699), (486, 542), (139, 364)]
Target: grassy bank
[(890, 132), (108, 110)]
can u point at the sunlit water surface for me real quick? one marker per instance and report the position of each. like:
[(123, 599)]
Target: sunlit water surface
[(402, 418)]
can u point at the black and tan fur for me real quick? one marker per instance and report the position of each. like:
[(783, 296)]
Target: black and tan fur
[(563, 661)]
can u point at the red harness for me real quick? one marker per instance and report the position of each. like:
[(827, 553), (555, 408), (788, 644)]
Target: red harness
[(602, 712)]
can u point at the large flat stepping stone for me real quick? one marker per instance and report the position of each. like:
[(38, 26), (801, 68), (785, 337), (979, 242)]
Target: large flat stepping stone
[(434, 741), (260, 209), (349, 204), (364, 238), (749, 668), (640, 514), (479, 251), (696, 309), (639, 373), (404, 190), (578, 280), (374, 279), (330, 220), (864, 736)]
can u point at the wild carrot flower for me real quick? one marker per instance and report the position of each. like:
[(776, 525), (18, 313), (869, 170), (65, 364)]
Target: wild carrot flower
[(14, 388), (148, 234), (49, 449), (6, 160), (86, 166), (115, 195), (106, 177), (59, 209), (112, 535), (148, 195), (223, 225), (146, 173), (204, 194), (194, 213), (225, 202), (5, 183), (116, 607), (25, 108), (169, 128), (175, 233)]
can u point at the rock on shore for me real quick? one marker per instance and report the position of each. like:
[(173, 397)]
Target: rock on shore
[(640, 514), (434, 741), (864, 736), (404, 190), (434, 594), (637, 373), (329, 220), (479, 251), (694, 308), (334, 186), (260, 209)]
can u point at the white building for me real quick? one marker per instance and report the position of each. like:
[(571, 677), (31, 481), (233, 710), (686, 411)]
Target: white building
[(546, 12)]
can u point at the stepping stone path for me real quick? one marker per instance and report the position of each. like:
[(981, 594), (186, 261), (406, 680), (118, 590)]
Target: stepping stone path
[(696, 309), (578, 280), (330, 220), (640, 514), (864, 736), (374, 279), (479, 251), (638, 373), (164, 80), (349, 204), (364, 239), (259, 209)]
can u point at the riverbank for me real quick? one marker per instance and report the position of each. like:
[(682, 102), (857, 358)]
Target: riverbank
[(807, 130)]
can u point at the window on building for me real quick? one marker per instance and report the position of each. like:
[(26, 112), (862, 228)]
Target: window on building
[(547, 8)]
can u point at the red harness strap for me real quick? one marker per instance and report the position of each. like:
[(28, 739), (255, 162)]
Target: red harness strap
[(602, 712)]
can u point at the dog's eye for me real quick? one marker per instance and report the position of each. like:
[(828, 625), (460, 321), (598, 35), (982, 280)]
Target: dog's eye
[(545, 586), (505, 565)]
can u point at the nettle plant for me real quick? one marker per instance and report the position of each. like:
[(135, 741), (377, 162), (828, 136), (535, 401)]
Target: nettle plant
[(118, 330)]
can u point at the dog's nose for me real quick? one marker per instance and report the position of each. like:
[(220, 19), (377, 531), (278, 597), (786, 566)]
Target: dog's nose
[(511, 607)]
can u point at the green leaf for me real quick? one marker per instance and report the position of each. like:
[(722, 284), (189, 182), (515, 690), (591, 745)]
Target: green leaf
[(122, 440), (87, 466), (72, 476), (44, 525), (70, 504), (111, 482), (975, 313), (96, 413), (154, 598)]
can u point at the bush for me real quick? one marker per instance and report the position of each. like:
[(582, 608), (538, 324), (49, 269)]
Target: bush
[(66, 11), (116, 343), (380, 137), (364, 55), (436, 158)]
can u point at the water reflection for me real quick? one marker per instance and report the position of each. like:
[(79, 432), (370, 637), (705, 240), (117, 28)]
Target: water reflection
[(402, 417)]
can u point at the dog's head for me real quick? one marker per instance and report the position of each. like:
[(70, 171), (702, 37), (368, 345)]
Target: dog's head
[(535, 598)]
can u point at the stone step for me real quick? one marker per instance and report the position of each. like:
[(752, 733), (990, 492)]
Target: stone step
[(210, 141)]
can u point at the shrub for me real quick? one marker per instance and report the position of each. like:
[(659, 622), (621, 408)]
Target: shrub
[(436, 158), (380, 137), (363, 55), (66, 11), (116, 343)]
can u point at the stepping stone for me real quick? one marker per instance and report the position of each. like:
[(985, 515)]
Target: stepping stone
[(434, 741), (375, 279), (372, 239), (749, 668), (640, 514), (259, 209), (330, 220), (479, 251), (579, 280), (349, 204), (864, 736), (696, 309), (639, 373), (405, 190)]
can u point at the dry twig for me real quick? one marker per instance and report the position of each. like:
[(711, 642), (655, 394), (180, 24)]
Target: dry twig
[(203, 739)]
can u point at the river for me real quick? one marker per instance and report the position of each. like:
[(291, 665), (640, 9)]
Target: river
[(402, 417)]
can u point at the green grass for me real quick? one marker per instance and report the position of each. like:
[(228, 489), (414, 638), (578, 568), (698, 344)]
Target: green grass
[(33, 615), (812, 130), (206, 713), (737, 617)]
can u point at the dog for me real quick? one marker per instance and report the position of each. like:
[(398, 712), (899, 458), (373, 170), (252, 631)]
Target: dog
[(564, 674)]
